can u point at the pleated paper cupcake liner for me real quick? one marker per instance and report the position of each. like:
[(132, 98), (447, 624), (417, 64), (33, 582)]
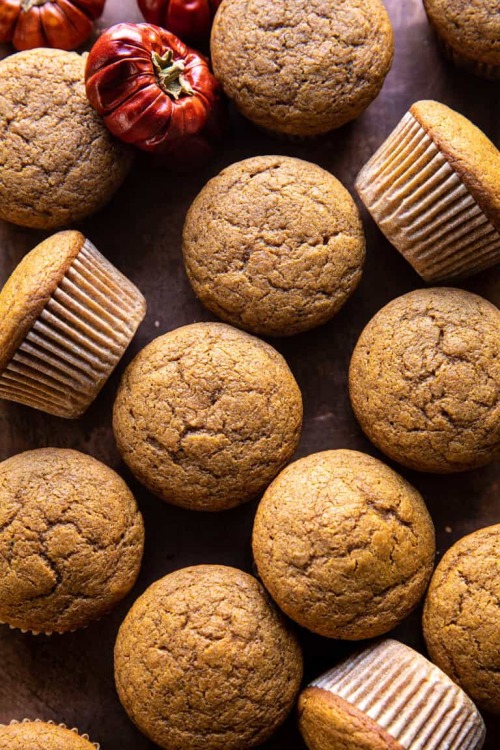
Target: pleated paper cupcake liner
[(407, 696), (49, 633), (424, 209), (77, 340), (483, 70), (75, 730)]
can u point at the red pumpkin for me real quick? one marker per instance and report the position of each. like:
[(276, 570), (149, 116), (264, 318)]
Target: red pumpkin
[(152, 90), (64, 24), (191, 20)]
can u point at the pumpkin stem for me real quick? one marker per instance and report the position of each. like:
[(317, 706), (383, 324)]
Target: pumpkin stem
[(27, 5), (169, 74)]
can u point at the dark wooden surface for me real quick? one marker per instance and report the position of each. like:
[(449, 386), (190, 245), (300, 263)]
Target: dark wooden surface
[(70, 678)]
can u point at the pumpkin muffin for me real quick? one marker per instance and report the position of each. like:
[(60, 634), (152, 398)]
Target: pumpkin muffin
[(432, 187), (58, 163), (302, 67), (67, 316), (38, 735), (388, 697), (462, 616), (424, 380), (274, 245), (343, 544), (206, 416), (204, 660), (469, 32), (71, 540)]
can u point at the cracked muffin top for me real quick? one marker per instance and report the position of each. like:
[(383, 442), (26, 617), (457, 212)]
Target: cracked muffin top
[(71, 540), (206, 416), (302, 67), (274, 245), (344, 545), (37, 735), (204, 660), (424, 380), (461, 616), (58, 162)]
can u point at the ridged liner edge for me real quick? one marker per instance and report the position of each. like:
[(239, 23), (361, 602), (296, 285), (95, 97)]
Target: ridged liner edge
[(75, 730)]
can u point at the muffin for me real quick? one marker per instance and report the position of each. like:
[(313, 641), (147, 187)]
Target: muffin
[(71, 540), (38, 735), (58, 163), (206, 416), (461, 616), (274, 245), (343, 544), (67, 316), (424, 380), (302, 67), (388, 697), (203, 660), (469, 33), (433, 190)]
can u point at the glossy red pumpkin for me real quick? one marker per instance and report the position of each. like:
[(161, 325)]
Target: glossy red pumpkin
[(63, 24), (191, 20), (152, 90)]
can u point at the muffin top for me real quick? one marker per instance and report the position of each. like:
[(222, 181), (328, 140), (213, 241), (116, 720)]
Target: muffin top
[(36, 735), (469, 152), (71, 540), (461, 616), (58, 162), (274, 245), (206, 416), (343, 544), (204, 660), (302, 67), (424, 380), (470, 27), (30, 287)]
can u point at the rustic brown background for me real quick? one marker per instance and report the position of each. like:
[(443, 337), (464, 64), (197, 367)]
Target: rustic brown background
[(70, 678)]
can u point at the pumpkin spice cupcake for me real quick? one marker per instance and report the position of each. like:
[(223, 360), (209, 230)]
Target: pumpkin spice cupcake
[(204, 660), (424, 380), (388, 697), (302, 67), (461, 616), (71, 540), (39, 735), (469, 33), (343, 544), (433, 189), (274, 245), (66, 317), (58, 162), (206, 416)]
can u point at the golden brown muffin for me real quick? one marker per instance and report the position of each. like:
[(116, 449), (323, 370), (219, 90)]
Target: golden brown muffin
[(469, 31), (343, 544), (37, 735), (274, 245), (302, 67), (203, 660), (67, 316), (432, 187), (206, 416), (462, 616), (424, 380), (388, 697), (58, 163), (71, 540)]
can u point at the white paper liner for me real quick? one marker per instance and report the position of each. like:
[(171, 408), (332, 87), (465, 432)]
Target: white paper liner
[(46, 632), (424, 208), (484, 70), (77, 340), (54, 724), (410, 698)]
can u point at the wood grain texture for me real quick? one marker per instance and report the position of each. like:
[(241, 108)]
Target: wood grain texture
[(70, 678)]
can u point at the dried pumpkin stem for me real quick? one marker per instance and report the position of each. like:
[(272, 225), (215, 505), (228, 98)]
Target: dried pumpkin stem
[(169, 74), (27, 5)]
